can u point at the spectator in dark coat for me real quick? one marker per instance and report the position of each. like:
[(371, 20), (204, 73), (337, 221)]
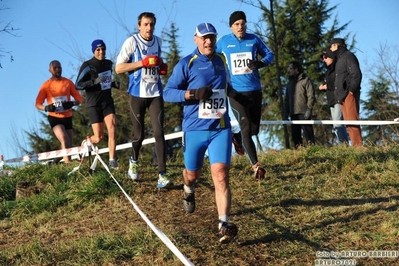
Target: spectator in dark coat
[(328, 86), (348, 77), (299, 101)]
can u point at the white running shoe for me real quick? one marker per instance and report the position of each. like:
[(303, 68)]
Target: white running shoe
[(133, 172), (164, 181)]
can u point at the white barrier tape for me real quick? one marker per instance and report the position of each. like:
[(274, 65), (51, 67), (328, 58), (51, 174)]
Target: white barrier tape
[(86, 153), (47, 155), (73, 152), (330, 122), (145, 142), (156, 230), (94, 164)]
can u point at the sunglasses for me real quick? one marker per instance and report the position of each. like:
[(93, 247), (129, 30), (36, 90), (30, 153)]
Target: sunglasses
[(100, 49), (211, 37)]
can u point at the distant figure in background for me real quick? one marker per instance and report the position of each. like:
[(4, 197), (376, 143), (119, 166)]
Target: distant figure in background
[(140, 56), (95, 77), (348, 78), (57, 91), (329, 87), (246, 53), (299, 101)]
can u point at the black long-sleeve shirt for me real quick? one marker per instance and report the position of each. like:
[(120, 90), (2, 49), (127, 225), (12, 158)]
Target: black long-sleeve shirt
[(96, 93)]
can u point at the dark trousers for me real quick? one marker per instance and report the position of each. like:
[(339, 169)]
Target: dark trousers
[(297, 131), (138, 107), (249, 121)]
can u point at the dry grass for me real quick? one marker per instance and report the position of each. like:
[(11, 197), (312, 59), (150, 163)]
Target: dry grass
[(315, 199)]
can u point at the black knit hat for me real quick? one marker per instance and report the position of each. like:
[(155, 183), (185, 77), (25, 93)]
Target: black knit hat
[(328, 53), (338, 41), (97, 43), (237, 15)]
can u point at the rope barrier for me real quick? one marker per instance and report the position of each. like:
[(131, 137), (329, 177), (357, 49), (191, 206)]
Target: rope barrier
[(90, 148), (74, 152)]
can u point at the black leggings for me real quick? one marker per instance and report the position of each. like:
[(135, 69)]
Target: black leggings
[(155, 107), (249, 121)]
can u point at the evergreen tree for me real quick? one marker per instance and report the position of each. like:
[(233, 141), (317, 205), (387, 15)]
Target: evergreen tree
[(173, 111), (294, 30), (381, 105), (43, 140), (124, 128)]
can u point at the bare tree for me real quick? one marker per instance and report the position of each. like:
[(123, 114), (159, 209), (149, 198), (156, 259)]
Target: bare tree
[(7, 28), (388, 63)]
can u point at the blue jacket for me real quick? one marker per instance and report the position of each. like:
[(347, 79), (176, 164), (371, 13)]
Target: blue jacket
[(238, 53), (193, 72)]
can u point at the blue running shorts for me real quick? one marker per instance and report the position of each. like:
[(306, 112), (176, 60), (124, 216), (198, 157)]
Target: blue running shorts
[(217, 142)]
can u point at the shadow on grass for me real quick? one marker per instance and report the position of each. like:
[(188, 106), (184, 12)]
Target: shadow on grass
[(334, 202), (285, 233)]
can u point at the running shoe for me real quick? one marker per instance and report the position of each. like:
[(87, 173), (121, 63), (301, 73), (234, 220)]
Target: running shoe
[(227, 232), (87, 147), (133, 171), (260, 173), (189, 202), (113, 164), (164, 181), (85, 143), (238, 146)]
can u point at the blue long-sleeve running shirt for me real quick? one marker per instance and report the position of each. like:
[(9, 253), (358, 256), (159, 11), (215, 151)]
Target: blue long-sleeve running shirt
[(193, 72), (238, 54)]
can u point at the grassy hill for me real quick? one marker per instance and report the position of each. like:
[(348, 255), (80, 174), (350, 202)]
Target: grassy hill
[(316, 203)]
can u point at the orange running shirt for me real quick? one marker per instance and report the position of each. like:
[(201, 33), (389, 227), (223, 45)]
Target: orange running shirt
[(57, 92)]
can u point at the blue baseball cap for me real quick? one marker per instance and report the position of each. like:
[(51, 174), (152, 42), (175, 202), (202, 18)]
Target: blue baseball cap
[(205, 29)]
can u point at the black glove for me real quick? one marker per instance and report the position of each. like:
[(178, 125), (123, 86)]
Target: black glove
[(203, 93), (308, 114), (96, 81), (95, 78), (256, 64), (115, 84), (242, 99), (50, 108), (68, 105)]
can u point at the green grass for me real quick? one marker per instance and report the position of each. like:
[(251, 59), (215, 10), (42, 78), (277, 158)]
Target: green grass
[(314, 200)]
